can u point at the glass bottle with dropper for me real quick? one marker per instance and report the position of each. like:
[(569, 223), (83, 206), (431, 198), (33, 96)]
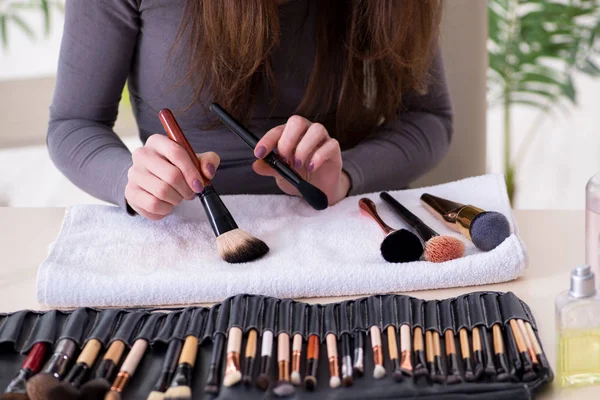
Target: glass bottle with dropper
[(578, 329)]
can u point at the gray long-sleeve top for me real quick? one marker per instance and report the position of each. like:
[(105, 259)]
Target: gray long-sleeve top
[(108, 42)]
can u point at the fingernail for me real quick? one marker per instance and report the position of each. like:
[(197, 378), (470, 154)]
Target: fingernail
[(197, 186), (211, 169), (297, 163), (310, 167), (260, 152)]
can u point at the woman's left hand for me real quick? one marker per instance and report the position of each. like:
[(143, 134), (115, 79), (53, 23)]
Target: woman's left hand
[(308, 148)]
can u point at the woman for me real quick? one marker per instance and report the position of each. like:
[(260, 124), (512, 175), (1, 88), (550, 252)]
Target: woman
[(352, 93)]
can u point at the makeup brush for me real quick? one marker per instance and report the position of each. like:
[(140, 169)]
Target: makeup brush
[(394, 356), (233, 375), (332, 357), (359, 353), (490, 366), (528, 373), (296, 359), (453, 371), (512, 354), (486, 229), (55, 369), (379, 369), (17, 388), (283, 388), (466, 354), (543, 361), (312, 362), (399, 245), (250, 357), (504, 373), (437, 248), (68, 388), (266, 350), (181, 385), (528, 342), (477, 353), (420, 368), (434, 360), (313, 195), (212, 382), (405, 351), (347, 378), (168, 368), (127, 370), (234, 245), (97, 388)]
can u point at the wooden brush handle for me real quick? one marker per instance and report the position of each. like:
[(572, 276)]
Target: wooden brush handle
[(135, 356), (533, 338), (312, 351), (175, 133), (498, 340), (331, 340), (115, 351), (404, 338), (464, 343), (368, 207), (90, 352), (476, 339), (234, 341), (450, 344), (189, 351), (418, 339), (251, 344), (429, 346), (392, 344), (437, 347), (521, 346)]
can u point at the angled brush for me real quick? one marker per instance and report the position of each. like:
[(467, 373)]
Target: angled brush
[(234, 245), (437, 248)]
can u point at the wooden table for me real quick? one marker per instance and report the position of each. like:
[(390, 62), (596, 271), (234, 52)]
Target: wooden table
[(554, 240)]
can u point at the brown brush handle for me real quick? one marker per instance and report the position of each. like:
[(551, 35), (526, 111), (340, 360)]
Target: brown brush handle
[(251, 344), (514, 326), (429, 346), (392, 343), (90, 352), (175, 133), (189, 351), (437, 347), (476, 339), (527, 340), (115, 352), (464, 343), (418, 339), (498, 340), (368, 207), (450, 344)]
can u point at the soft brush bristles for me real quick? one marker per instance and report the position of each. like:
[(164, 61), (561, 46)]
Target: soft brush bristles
[(489, 229), (14, 396), (284, 389), (40, 386), (232, 378), (378, 371), (313, 195), (334, 382), (112, 395), (156, 395), (443, 248), (296, 378), (401, 246), (178, 393), (238, 246)]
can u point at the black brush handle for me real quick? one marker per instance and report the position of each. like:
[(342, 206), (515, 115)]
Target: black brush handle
[(411, 219), (215, 360), (219, 216), (169, 365)]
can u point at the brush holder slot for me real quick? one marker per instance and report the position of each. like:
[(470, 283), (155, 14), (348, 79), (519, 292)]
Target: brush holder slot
[(359, 315), (222, 325), (76, 326), (167, 327), (128, 327), (461, 311), (10, 330), (148, 327), (314, 320), (511, 307), (211, 323), (476, 313), (403, 310), (446, 316), (299, 316), (491, 310), (417, 313), (374, 311), (254, 313), (238, 312), (345, 316), (330, 320), (389, 314), (197, 322), (432, 317), (270, 316), (104, 326), (284, 320), (44, 329), (511, 350)]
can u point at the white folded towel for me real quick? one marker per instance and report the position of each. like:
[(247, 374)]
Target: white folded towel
[(103, 257)]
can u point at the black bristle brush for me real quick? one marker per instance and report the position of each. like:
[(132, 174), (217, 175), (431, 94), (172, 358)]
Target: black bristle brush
[(17, 388), (399, 246), (181, 386), (168, 369), (234, 245), (313, 195), (40, 386), (437, 248), (214, 369)]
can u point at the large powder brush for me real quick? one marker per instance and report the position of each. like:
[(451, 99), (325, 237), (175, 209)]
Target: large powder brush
[(399, 246), (486, 229), (437, 248), (233, 244)]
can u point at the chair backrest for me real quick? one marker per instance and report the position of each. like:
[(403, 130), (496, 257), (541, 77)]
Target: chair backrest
[(464, 44)]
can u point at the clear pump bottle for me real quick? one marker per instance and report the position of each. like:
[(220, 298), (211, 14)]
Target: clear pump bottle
[(592, 223), (578, 329)]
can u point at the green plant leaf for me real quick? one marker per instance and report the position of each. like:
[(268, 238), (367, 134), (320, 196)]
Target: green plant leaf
[(46, 12), (3, 31), (24, 27)]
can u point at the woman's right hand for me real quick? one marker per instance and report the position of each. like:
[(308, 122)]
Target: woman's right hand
[(162, 176)]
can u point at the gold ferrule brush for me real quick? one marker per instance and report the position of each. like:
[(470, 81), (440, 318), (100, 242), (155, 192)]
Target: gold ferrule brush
[(120, 382), (283, 370), (405, 351), (455, 216), (332, 357), (296, 358), (233, 362), (453, 373), (379, 369)]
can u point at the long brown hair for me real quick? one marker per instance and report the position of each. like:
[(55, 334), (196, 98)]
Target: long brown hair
[(368, 54)]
